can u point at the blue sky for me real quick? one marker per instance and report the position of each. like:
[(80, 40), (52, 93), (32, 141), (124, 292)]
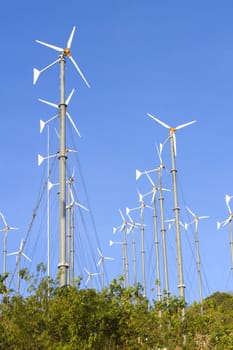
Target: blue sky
[(170, 59)]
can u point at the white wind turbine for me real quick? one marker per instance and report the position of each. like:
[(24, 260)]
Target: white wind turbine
[(19, 254), (172, 137), (120, 228), (141, 208), (90, 277), (101, 262), (70, 228), (5, 230), (64, 52), (228, 221), (195, 221)]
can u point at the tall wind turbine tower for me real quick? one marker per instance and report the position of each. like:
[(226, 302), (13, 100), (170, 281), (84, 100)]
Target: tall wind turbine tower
[(172, 137), (63, 54)]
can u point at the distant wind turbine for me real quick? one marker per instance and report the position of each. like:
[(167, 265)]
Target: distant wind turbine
[(195, 222), (101, 263), (90, 277), (19, 254)]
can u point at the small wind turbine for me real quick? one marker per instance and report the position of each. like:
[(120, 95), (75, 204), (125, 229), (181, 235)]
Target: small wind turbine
[(101, 262), (195, 222), (142, 206), (5, 230), (64, 52), (90, 277), (19, 254), (172, 137)]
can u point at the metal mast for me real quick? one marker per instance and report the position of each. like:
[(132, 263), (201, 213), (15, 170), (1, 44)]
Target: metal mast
[(63, 265)]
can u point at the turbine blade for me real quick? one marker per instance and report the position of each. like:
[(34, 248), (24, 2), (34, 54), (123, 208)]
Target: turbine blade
[(121, 214), (69, 97), (203, 217), (49, 103), (56, 48), (190, 211), (100, 254), (69, 42), (72, 123), (79, 70), (86, 270), (40, 159), (81, 206), (36, 74), (26, 257), (184, 125), (42, 125), (3, 219), (138, 174), (159, 121)]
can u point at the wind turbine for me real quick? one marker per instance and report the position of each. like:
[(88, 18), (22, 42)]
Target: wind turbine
[(195, 222), (63, 54), (70, 226), (5, 230), (90, 276), (19, 254), (120, 228), (101, 262), (141, 208), (225, 222), (172, 137)]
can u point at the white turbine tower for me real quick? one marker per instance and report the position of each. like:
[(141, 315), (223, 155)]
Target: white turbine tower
[(101, 262), (63, 54), (172, 137), (19, 254), (198, 261)]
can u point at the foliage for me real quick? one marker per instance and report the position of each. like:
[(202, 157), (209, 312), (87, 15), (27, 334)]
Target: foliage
[(114, 318)]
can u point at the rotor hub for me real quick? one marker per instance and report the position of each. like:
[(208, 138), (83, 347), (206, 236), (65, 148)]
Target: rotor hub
[(67, 52)]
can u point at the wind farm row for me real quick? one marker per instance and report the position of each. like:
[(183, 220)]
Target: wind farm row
[(156, 249)]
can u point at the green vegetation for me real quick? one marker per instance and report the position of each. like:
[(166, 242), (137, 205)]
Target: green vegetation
[(116, 318)]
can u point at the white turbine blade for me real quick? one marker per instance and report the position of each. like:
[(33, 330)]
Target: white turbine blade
[(110, 242), (100, 260), (26, 257), (49, 103), (159, 153), (227, 199), (107, 258), (87, 271), (121, 214), (56, 48), (14, 253), (3, 219), (203, 217), (88, 279), (127, 210), (158, 121), (184, 125), (138, 174), (150, 179), (226, 221), (40, 159), (100, 254), (72, 123), (36, 74), (69, 97), (219, 225), (79, 70), (69, 42), (81, 206), (190, 211), (42, 125)]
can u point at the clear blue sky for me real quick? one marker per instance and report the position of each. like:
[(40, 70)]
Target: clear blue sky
[(171, 59)]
